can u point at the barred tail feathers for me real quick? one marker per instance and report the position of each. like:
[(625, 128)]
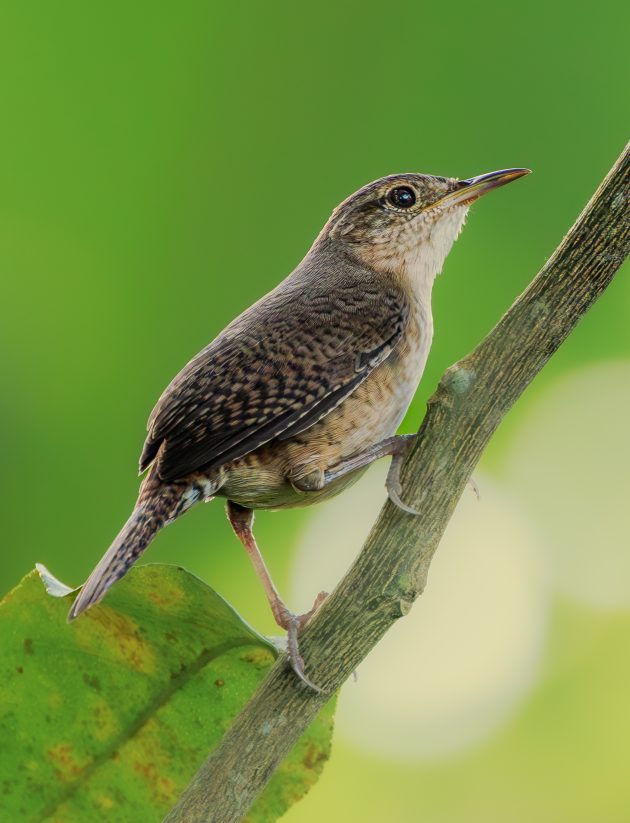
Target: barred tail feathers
[(156, 507)]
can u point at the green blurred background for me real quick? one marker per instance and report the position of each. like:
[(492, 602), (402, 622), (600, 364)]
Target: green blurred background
[(162, 166)]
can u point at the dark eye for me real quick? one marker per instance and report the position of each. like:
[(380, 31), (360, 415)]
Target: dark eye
[(402, 197)]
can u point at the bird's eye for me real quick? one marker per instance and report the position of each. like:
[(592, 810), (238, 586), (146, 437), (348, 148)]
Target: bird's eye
[(402, 197)]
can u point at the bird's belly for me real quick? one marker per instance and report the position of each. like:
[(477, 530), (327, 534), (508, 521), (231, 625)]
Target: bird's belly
[(375, 410)]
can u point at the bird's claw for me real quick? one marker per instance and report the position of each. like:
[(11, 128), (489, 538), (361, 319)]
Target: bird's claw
[(473, 485), (393, 492), (293, 653), (393, 484), (293, 623)]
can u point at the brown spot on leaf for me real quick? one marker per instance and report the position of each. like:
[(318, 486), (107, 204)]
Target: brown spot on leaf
[(219, 682), (64, 761), (92, 681), (28, 645), (158, 599), (162, 788), (105, 721), (165, 596), (258, 657), (122, 635), (313, 756)]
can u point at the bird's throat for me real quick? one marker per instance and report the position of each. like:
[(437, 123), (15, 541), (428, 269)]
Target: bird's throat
[(424, 262)]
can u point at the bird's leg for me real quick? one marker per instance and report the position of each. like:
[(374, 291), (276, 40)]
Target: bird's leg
[(242, 520), (397, 447)]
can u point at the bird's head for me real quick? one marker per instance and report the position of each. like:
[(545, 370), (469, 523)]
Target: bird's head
[(407, 223)]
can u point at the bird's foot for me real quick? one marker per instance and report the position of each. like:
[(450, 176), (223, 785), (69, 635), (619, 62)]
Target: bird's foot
[(393, 485), (293, 623)]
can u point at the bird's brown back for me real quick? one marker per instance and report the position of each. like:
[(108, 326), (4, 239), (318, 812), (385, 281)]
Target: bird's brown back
[(280, 367)]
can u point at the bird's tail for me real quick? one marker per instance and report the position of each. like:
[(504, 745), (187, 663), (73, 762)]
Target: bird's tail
[(158, 504)]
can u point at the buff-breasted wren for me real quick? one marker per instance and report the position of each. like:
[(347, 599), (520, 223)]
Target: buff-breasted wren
[(306, 388)]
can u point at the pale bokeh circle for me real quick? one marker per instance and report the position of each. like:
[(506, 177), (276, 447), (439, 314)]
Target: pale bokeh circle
[(453, 671), (570, 465)]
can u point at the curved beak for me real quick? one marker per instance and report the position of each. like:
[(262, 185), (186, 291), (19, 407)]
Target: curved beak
[(468, 191)]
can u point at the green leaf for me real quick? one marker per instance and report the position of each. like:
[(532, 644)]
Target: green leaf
[(109, 717)]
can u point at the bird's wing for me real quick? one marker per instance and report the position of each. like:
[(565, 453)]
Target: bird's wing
[(275, 371)]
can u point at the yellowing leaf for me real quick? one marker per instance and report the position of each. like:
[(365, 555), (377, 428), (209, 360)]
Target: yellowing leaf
[(109, 717)]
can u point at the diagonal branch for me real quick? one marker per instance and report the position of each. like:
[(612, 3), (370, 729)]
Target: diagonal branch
[(472, 398)]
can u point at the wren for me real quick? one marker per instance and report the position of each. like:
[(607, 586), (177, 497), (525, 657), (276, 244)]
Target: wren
[(307, 387)]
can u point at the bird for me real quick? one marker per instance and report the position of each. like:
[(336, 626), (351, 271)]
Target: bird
[(298, 395)]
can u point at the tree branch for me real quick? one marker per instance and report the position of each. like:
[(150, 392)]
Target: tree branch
[(472, 398)]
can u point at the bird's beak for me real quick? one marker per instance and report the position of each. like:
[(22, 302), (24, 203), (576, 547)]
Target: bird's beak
[(468, 191)]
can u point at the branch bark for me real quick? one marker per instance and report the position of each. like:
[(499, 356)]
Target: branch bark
[(391, 571)]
